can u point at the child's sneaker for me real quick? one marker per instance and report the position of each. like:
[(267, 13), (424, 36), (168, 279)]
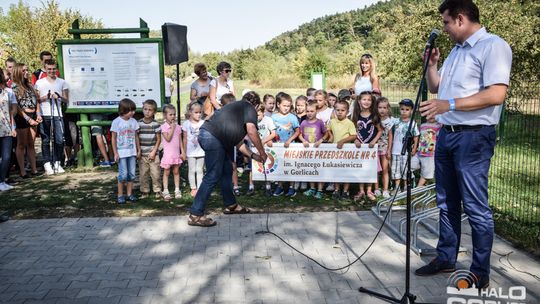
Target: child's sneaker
[(291, 192), (359, 196), (177, 194), (310, 192), (5, 187), (166, 195), (48, 168), (335, 194), (157, 195), (144, 195), (345, 195), (105, 164), (279, 191), (237, 191), (386, 194), (121, 200), (377, 192), (131, 198), (250, 191), (318, 195), (58, 168), (193, 192)]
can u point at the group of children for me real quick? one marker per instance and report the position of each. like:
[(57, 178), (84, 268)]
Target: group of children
[(363, 119), (132, 140), (314, 119)]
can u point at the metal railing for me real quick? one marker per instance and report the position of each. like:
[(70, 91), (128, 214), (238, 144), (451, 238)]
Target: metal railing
[(514, 180)]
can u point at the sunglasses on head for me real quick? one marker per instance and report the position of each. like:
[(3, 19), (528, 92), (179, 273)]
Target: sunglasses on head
[(367, 56), (227, 71)]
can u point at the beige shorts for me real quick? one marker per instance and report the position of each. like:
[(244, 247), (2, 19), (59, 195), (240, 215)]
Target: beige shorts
[(427, 167)]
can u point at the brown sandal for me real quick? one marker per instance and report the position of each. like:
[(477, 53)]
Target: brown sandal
[(195, 220), (359, 196), (232, 210)]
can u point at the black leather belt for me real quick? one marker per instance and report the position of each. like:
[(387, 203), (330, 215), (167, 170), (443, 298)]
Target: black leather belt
[(459, 128)]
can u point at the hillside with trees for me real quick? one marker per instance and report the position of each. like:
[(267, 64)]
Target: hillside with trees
[(393, 31)]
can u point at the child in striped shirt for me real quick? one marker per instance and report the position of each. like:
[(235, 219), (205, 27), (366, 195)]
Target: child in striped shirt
[(150, 139)]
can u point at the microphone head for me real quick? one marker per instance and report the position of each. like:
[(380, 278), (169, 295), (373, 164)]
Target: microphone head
[(432, 36)]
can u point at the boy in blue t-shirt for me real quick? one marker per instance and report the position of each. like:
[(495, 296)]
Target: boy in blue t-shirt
[(287, 130)]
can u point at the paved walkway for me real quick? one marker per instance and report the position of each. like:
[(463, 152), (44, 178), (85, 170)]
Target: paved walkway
[(163, 260)]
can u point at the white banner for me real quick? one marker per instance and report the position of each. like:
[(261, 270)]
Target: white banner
[(326, 163)]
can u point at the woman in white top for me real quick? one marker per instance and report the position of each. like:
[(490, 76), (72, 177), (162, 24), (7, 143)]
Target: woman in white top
[(366, 79), (221, 85)]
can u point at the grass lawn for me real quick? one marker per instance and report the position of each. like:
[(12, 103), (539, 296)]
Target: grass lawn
[(92, 193), (514, 184)]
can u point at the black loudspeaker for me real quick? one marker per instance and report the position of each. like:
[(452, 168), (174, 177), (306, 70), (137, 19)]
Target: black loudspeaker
[(175, 43)]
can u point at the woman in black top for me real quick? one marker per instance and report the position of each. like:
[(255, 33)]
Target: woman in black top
[(27, 118)]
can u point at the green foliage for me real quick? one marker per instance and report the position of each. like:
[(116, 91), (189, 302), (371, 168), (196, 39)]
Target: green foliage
[(212, 59), (26, 31), (517, 22), (395, 32), (345, 62), (316, 61)]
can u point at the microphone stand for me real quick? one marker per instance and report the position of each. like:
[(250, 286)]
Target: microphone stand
[(408, 297), (53, 134), (54, 104), (61, 119)]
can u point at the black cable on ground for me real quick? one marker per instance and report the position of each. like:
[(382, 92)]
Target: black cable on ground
[(267, 231), (510, 266)]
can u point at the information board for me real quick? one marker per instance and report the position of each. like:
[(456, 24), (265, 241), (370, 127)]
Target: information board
[(100, 75), (318, 81)]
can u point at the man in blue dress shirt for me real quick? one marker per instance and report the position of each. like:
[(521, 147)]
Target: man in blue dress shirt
[(471, 87)]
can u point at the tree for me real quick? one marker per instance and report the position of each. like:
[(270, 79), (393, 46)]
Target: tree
[(395, 32), (26, 31)]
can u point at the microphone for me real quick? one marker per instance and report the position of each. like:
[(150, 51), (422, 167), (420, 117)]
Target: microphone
[(432, 36)]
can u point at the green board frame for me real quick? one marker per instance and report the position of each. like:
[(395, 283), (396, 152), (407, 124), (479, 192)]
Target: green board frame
[(85, 155)]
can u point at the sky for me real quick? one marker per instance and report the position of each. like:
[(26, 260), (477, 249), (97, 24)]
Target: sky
[(213, 25)]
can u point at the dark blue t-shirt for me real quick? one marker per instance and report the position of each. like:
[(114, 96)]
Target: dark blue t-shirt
[(229, 123), (365, 129)]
